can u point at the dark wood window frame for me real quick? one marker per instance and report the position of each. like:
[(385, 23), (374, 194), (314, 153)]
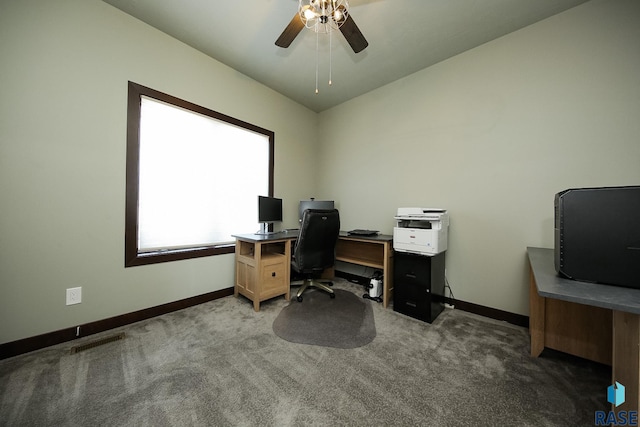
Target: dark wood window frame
[(133, 257)]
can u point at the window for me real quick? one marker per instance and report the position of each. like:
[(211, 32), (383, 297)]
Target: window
[(193, 178)]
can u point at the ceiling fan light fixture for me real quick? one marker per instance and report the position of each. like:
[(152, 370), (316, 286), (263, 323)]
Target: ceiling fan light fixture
[(323, 16)]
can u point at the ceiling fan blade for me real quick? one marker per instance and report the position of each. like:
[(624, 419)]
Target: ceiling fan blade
[(352, 33), (290, 33)]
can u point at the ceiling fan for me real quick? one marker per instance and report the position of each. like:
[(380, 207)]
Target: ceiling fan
[(324, 16)]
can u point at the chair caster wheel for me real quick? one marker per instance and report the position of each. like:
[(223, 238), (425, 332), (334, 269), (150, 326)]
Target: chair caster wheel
[(332, 296), (299, 299)]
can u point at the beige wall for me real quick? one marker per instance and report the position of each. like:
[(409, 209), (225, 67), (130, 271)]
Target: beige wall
[(64, 69), (491, 135)]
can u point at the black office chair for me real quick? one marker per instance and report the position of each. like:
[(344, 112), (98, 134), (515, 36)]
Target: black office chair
[(315, 248)]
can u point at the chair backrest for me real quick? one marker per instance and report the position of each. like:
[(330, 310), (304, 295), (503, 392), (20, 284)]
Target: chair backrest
[(315, 247)]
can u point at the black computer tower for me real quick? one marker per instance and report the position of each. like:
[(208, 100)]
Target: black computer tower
[(418, 289), (597, 235)]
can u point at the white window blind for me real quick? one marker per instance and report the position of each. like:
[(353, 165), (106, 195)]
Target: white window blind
[(199, 178)]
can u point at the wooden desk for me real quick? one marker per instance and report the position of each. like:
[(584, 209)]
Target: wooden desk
[(370, 251), (596, 322), (263, 262), (263, 266)]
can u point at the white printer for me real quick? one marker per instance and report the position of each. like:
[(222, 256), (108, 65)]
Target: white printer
[(422, 231)]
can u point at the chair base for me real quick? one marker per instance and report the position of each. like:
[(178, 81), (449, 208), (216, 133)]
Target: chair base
[(313, 283)]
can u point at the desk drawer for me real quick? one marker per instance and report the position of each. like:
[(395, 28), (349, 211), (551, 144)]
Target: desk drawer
[(417, 301), (273, 277), (412, 269)]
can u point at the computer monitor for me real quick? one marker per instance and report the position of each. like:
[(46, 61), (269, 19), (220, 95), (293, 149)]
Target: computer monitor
[(313, 204), (269, 211)]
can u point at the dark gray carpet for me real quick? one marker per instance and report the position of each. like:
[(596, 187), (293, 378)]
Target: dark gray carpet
[(345, 321), (220, 364)]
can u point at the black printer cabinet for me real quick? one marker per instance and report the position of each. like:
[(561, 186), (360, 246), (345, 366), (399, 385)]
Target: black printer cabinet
[(419, 283)]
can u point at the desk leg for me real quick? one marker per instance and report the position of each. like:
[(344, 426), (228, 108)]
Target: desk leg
[(287, 269), (536, 317), (626, 358), (387, 275)]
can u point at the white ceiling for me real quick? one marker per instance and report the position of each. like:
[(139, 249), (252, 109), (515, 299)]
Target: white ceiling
[(404, 36)]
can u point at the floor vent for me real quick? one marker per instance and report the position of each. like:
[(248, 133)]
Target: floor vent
[(96, 343)]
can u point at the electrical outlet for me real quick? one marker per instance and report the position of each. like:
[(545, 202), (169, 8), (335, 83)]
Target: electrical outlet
[(74, 296)]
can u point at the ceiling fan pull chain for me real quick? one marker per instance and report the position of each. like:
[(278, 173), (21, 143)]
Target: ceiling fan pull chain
[(330, 57), (317, 35)]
